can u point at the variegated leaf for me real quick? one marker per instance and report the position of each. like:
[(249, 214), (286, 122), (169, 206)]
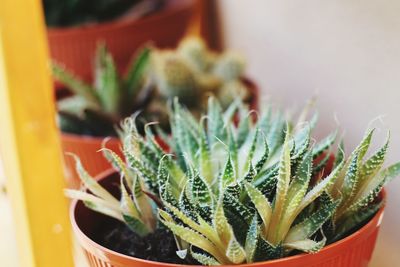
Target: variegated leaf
[(356, 219), (91, 183), (228, 175), (206, 168), (204, 259), (311, 224), (235, 252), (103, 206), (318, 189), (136, 225), (261, 203), (264, 158), (324, 145), (199, 190), (251, 239), (196, 239), (281, 193), (266, 251), (307, 245)]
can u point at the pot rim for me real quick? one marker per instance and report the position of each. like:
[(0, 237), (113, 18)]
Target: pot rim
[(171, 8), (84, 239)]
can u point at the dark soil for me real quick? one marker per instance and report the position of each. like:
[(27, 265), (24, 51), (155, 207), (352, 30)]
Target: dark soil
[(159, 246)]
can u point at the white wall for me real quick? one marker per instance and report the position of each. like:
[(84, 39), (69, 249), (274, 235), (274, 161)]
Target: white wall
[(348, 51)]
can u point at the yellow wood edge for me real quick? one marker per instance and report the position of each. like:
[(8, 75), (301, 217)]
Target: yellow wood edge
[(29, 142)]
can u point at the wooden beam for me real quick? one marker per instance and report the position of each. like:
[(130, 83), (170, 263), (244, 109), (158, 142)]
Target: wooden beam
[(29, 142)]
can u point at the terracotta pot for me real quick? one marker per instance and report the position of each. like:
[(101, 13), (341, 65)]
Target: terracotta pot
[(352, 251), (75, 46)]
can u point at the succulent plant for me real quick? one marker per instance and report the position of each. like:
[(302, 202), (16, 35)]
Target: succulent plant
[(153, 80), (95, 109), (236, 188), (75, 12)]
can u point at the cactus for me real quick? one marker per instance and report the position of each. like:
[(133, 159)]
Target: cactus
[(229, 66), (243, 192), (192, 72), (174, 77)]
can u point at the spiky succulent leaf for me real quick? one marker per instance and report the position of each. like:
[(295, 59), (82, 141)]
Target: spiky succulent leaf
[(136, 71), (194, 238), (149, 175), (96, 203), (215, 122), (324, 145), (206, 168), (264, 158), (281, 193), (266, 251), (199, 190), (228, 175), (235, 251), (251, 240), (75, 84), (261, 203), (355, 219), (312, 224), (107, 82), (307, 245), (91, 183), (204, 259), (318, 189)]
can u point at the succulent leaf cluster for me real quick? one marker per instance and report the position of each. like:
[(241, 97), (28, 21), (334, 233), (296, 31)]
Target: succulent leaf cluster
[(95, 109), (240, 187)]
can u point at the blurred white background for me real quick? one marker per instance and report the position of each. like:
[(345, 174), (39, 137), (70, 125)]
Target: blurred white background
[(345, 51)]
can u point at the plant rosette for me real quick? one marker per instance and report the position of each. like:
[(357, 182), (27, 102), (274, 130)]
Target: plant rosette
[(75, 46), (233, 191)]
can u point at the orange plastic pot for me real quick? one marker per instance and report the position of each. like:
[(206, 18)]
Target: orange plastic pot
[(353, 251), (75, 46)]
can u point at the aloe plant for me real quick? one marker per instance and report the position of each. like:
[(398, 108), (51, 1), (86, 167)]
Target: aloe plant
[(235, 188), (95, 109)]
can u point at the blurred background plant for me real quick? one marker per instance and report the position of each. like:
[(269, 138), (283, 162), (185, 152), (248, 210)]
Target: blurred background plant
[(191, 72)]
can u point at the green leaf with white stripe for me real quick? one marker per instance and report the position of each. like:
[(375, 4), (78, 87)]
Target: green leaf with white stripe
[(311, 224), (251, 240), (261, 203)]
